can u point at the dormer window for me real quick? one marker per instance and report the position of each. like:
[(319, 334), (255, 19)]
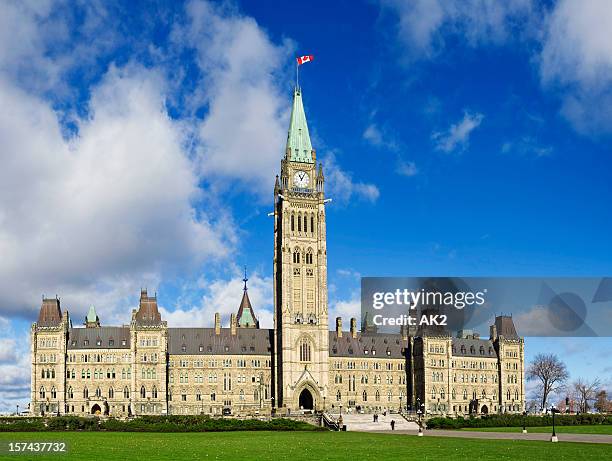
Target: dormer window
[(111, 342), (86, 342), (99, 342), (201, 348), (123, 342), (184, 348)]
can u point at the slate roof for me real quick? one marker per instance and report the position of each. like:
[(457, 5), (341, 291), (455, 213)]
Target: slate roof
[(50, 314), (195, 341), (99, 338), (472, 348), (379, 346), (246, 316)]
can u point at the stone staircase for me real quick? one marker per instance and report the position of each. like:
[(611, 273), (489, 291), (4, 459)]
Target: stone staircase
[(365, 422)]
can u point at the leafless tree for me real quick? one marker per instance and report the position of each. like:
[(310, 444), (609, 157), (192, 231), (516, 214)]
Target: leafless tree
[(586, 391), (551, 374)]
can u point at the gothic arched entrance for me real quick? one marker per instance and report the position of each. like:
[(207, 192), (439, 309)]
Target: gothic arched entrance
[(484, 410), (96, 410), (306, 401)]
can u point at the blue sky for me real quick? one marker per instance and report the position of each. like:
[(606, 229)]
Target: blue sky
[(139, 143)]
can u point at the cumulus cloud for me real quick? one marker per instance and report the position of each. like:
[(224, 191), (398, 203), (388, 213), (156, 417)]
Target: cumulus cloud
[(347, 309), (113, 202), (243, 135), (576, 58), (224, 296), (458, 134)]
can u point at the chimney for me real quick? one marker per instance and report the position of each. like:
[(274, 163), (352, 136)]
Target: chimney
[(354, 327), (493, 332), (339, 326), (217, 323), (233, 324)]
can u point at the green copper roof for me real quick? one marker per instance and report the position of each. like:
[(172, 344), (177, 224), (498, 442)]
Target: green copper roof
[(92, 317), (298, 139)]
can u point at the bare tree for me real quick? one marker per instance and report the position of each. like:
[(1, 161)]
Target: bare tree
[(586, 391), (550, 372)]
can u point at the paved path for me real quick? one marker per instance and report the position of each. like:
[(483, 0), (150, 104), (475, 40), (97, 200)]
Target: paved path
[(365, 422), (588, 438)]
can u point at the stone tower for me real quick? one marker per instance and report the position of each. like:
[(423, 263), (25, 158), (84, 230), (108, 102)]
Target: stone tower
[(300, 271)]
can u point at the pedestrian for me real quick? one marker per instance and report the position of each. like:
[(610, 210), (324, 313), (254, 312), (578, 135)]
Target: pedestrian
[(392, 424)]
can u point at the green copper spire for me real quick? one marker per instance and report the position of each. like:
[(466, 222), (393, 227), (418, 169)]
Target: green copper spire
[(92, 319), (299, 148)]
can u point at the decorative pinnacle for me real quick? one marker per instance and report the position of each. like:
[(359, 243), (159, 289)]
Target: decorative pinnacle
[(245, 279)]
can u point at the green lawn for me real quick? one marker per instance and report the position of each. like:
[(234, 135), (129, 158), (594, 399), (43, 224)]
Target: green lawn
[(297, 446), (578, 429)]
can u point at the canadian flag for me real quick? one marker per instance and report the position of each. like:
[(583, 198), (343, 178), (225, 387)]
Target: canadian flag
[(304, 59)]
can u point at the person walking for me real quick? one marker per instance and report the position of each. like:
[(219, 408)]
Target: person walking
[(392, 424)]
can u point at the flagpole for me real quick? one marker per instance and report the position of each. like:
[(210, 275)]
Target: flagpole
[(297, 76)]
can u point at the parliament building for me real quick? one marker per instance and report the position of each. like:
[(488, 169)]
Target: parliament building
[(150, 368)]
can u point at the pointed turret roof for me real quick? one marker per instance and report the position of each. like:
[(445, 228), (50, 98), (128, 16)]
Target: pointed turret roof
[(92, 319), (299, 146), (246, 315)]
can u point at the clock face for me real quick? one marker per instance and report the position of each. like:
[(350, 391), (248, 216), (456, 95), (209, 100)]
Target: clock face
[(301, 179)]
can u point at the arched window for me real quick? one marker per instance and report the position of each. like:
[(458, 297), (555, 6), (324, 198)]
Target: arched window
[(299, 223), (389, 396), (296, 256), (111, 393), (292, 222), (433, 393), (143, 392), (508, 395), (516, 395), (484, 394), (53, 393), (453, 393), (442, 394), (463, 349), (85, 393), (305, 223), (98, 392), (312, 224), (53, 373), (364, 395), (42, 392), (338, 395), (154, 392), (126, 392), (377, 396), (305, 350), (309, 256), (464, 394)]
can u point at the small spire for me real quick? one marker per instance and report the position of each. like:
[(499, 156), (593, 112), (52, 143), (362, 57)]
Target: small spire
[(245, 279), (298, 146)]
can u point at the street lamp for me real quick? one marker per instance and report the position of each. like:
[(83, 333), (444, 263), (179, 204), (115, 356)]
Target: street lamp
[(17, 409), (554, 435), (324, 398), (400, 408), (340, 419), (524, 428)]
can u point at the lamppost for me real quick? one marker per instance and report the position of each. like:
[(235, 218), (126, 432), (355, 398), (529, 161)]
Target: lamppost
[(273, 411), (324, 398), (524, 428), (17, 409), (340, 418), (554, 435), (400, 408)]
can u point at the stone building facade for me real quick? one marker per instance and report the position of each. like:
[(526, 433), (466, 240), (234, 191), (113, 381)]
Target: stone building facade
[(147, 367)]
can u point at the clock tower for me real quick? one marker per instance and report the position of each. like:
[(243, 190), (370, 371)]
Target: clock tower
[(301, 333)]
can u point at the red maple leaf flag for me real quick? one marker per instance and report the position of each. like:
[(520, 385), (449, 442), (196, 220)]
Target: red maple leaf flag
[(304, 59)]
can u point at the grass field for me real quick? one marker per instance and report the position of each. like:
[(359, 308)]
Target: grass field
[(296, 446), (582, 429)]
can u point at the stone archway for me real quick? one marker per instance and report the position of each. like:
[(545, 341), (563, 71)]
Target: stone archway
[(306, 400), (96, 410), (484, 410)]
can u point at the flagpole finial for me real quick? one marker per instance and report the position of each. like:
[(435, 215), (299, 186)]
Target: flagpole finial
[(245, 279)]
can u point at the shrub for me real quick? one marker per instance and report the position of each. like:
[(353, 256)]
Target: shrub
[(516, 420)]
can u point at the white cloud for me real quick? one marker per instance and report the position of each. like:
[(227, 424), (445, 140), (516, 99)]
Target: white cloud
[(373, 135), (407, 168), (576, 57), (243, 135), (341, 186), (224, 296), (458, 134), (347, 309), (422, 24), (113, 202), (527, 145)]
